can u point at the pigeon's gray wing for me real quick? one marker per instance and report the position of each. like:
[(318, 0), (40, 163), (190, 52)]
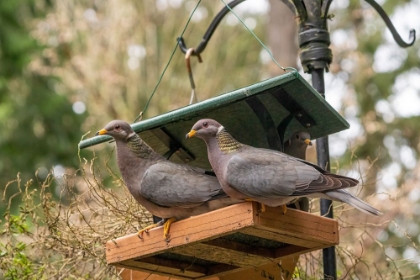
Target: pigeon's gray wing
[(326, 182), (173, 185), (269, 174), (202, 171)]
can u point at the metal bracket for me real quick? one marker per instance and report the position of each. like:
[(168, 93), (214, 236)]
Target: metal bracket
[(294, 108), (273, 138)]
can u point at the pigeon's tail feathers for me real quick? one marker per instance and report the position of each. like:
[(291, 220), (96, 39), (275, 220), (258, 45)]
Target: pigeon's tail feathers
[(344, 196), (339, 180), (345, 181), (327, 183)]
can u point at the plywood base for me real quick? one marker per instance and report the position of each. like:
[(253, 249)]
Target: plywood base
[(225, 241), (282, 270)]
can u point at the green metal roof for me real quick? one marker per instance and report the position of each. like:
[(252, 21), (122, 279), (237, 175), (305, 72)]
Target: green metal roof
[(252, 115)]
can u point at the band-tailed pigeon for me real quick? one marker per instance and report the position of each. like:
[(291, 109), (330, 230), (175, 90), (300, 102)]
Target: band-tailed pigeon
[(297, 144), (166, 189), (267, 176)]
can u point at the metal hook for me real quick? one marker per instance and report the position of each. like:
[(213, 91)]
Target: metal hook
[(391, 27), (213, 25), (188, 54)]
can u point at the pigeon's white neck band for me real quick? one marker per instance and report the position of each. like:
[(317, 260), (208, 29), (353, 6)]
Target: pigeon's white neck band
[(131, 135), (220, 129)]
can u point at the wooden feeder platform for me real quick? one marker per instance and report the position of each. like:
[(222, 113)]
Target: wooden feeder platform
[(236, 239)]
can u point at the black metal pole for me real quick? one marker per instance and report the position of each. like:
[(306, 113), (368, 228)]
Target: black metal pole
[(323, 158), (316, 56)]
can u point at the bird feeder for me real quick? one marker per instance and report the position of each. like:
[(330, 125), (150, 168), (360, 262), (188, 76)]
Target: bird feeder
[(237, 240)]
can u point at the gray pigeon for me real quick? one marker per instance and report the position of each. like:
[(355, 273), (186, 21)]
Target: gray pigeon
[(267, 176), (297, 144), (166, 189)]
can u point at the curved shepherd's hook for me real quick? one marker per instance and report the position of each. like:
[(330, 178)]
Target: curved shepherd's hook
[(391, 27), (200, 48)]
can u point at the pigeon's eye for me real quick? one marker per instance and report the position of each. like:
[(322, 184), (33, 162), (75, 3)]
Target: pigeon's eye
[(297, 136), (205, 124), (117, 127)]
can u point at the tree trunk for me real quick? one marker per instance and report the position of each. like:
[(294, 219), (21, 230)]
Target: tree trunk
[(280, 29)]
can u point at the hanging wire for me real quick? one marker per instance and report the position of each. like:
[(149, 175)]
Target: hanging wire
[(188, 55), (255, 36), (139, 117)]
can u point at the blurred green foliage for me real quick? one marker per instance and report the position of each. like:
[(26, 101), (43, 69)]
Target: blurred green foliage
[(370, 85), (21, 266), (388, 141), (38, 126)]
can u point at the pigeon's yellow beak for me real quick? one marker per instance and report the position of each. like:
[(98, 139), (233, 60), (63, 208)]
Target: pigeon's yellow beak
[(308, 142), (101, 132), (190, 134)]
